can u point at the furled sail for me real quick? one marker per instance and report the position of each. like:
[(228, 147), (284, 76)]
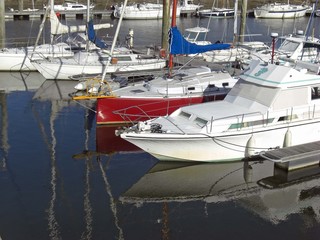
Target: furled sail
[(179, 45), (93, 38), (58, 28)]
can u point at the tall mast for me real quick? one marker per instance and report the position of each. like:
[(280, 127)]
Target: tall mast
[(2, 25), (235, 24), (114, 40), (243, 20), (88, 19), (173, 24), (165, 24)]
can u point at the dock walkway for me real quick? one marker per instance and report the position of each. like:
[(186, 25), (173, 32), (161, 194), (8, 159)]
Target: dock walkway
[(27, 15), (294, 157)]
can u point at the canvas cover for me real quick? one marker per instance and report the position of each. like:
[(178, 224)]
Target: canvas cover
[(93, 38), (179, 45)]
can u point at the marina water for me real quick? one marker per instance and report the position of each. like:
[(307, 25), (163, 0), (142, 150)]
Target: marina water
[(62, 177)]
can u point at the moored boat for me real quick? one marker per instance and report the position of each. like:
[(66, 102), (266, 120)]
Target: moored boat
[(141, 11), (217, 13), (163, 95), (94, 62), (271, 106), (280, 10), (188, 6), (71, 6)]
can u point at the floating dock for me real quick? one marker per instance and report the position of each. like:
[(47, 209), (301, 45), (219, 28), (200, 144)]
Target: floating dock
[(294, 157)]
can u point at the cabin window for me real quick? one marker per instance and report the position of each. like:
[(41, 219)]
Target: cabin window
[(315, 93), (288, 46), (191, 88), (250, 124), (123, 58), (103, 59), (286, 118), (185, 115), (201, 122)]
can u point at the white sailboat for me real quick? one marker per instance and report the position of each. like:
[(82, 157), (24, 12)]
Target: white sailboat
[(218, 12), (141, 11), (164, 94), (20, 59), (96, 61), (281, 10), (271, 106)]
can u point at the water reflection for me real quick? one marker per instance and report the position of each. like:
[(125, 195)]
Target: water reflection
[(108, 143), (4, 131), (258, 186), (13, 81), (20, 81)]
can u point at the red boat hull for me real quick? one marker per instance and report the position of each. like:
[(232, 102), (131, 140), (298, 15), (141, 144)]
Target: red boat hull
[(119, 110)]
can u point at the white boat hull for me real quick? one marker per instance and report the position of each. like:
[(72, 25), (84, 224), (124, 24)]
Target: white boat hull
[(18, 59), (280, 11), (143, 12), (225, 147), (52, 70), (226, 55)]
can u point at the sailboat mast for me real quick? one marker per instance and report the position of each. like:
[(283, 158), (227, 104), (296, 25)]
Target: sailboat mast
[(243, 20), (165, 23), (235, 23), (88, 19), (114, 40), (173, 24)]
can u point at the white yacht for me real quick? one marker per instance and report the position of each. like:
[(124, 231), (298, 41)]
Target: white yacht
[(142, 11), (71, 6), (280, 10), (271, 106)]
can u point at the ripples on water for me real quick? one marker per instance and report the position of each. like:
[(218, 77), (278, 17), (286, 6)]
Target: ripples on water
[(64, 178)]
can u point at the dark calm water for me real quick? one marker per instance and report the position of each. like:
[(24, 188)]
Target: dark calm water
[(61, 177)]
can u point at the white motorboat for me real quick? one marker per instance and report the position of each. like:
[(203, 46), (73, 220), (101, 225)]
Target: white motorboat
[(298, 47), (94, 62), (71, 6), (217, 13), (280, 10), (287, 49), (271, 106), (142, 11), (188, 6), (196, 35)]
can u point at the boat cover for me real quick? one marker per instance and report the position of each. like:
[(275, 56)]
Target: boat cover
[(179, 45), (93, 38)]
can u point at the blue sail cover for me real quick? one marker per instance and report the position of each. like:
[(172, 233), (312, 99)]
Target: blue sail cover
[(93, 38), (179, 45)]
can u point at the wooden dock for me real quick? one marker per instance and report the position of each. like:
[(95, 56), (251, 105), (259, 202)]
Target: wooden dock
[(294, 157), (29, 15)]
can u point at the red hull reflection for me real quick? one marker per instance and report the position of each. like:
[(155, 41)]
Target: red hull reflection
[(107, 142)]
